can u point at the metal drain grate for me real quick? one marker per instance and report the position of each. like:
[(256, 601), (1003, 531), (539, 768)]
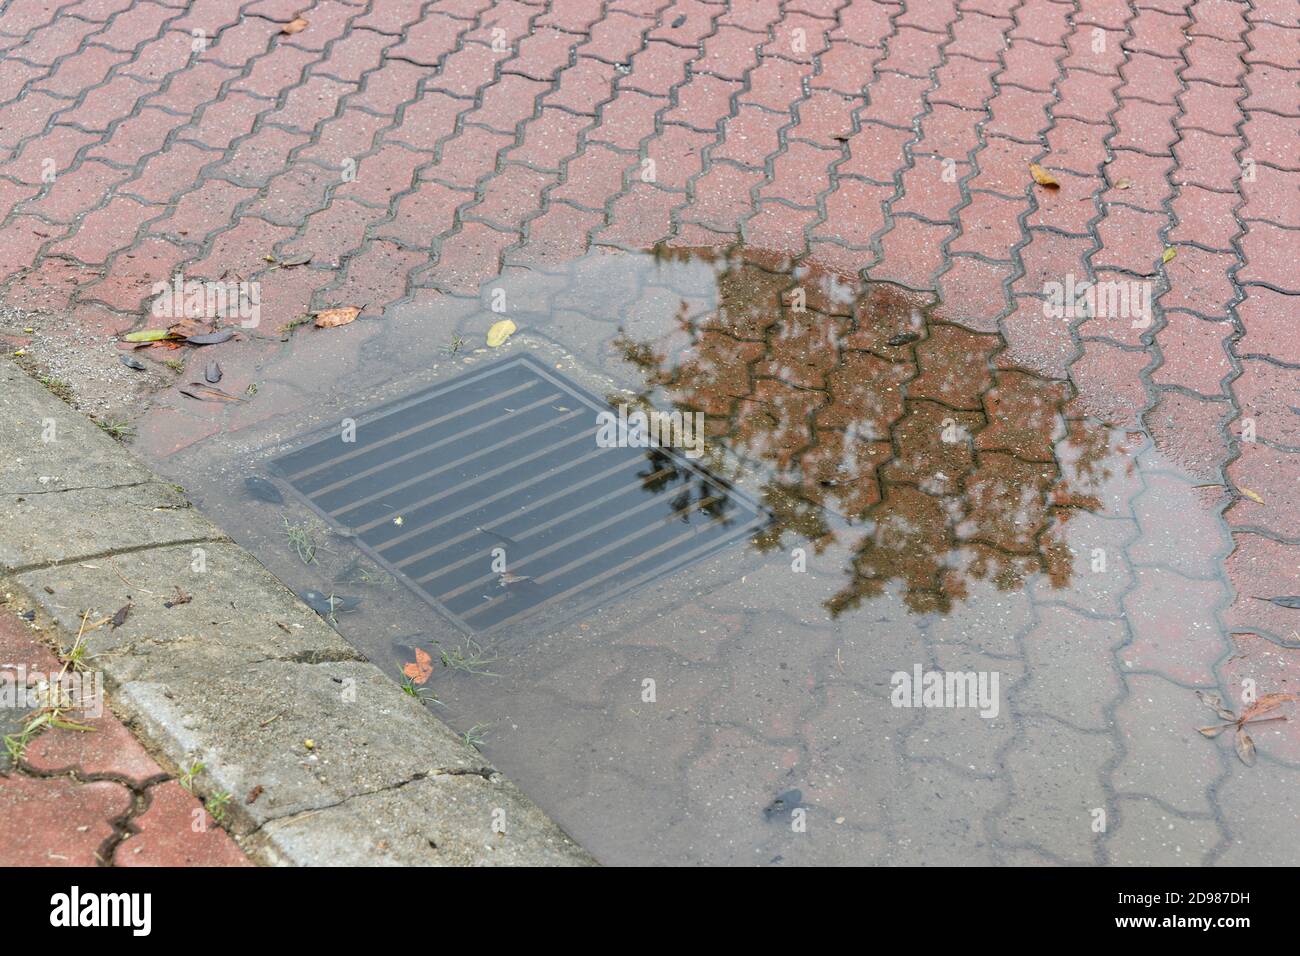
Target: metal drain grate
[(506, 458)]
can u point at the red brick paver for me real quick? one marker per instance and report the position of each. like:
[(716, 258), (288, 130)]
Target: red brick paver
[(95, 798)]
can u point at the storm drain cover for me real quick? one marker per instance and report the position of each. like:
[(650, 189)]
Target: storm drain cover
[(495, 497)]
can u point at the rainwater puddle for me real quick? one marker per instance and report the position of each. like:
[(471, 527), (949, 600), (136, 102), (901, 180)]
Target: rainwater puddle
[(874, 618)]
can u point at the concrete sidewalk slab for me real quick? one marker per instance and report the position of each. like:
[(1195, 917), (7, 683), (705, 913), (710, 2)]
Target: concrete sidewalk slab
[(114, 521)]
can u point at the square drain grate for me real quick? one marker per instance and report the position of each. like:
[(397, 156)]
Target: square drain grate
[(502, 465)]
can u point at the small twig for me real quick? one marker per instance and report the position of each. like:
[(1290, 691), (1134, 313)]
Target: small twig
[(124, 580)]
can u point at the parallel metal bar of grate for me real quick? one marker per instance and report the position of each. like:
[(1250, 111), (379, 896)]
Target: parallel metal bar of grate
[(502, 464)]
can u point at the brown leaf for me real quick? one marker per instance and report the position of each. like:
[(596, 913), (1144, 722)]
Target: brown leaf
[(188, 328), (1245, 748), (1043, 177), (179, 598), (332, 318), (1266, 704), (1215, 730), (120, 617), (254, 794), (206, 393), (296, 25), (1215, 703), (1124, 184)]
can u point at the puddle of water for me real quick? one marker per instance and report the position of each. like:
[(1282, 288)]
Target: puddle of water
[(927, 506)]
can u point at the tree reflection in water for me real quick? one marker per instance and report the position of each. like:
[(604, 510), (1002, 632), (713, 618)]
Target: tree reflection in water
[(940, 455)]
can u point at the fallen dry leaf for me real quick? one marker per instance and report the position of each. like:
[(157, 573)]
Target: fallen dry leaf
[(296, 25), (147, 335), (422, 669), (1169, 253), (1245, 748), (332, 318), (1043, 177), (1253, 714), (1215, 703), (211, 338), (207, 393), (1266, 705), (1124, 184), (499, 332), (186, 328), (1253, 496), (298, 260), (120, 617)]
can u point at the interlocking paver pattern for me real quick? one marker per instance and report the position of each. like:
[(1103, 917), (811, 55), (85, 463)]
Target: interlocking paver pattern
[(93, 797), (418, 147)]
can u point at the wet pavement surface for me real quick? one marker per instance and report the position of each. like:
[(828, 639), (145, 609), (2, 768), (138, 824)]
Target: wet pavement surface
[(929, 506), (1007, 531)]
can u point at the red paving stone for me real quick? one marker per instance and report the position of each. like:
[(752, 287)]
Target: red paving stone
[(176, 831), (56, 821), (893, 140), (76, 794)]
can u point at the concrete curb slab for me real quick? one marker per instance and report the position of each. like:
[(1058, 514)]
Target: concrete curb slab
[(122, 519), (326, 760)]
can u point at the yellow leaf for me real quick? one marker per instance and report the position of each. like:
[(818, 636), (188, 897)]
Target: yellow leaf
[(330, 318), (1251, 495), (499, 332), (296, 25), (1043, 177), (147, 335), (1169, 253)]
